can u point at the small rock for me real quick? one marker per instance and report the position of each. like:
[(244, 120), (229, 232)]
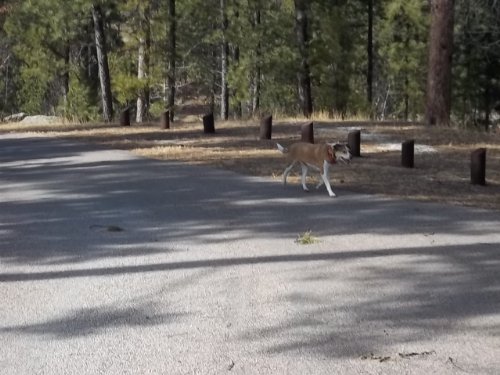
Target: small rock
[(16, 117), (42, 120)]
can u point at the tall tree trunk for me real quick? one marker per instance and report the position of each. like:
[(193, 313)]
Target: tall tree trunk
[(255, 78), (487, 107), (214, 79), (5, 99), (65, 77), (236, 59), (406, 98), (256, 89), (143, 67), (302, 8), (238, 111), (141, 75), (438, 100), (92, 68), (224, 95), (369, 50), (171, 48), (102, 61)]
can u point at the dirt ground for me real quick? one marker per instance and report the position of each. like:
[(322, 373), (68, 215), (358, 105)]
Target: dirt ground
[(442, 156)]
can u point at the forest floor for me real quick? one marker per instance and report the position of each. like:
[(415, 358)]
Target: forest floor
[(442, 155)]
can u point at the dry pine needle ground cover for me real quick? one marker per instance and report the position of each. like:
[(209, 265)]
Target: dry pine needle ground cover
[(442, 156)]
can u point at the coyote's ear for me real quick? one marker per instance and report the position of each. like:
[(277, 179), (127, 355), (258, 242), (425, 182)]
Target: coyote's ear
[(334, 146)]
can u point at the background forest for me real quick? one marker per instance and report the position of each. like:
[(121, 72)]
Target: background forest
[(87, 60)]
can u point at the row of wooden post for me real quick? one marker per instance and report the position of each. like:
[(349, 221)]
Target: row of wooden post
[(477, 161), (478, 157), (208, 120), (164, 119)]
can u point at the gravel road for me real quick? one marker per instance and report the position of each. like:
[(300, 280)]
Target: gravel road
[(114, 264)]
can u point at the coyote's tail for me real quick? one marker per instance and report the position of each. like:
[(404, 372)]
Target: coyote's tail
[(281, 148)]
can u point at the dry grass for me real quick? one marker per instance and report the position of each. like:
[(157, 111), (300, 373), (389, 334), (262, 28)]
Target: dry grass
[(443, 175)]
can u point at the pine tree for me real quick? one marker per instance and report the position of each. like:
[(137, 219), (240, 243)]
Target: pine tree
[(45, 38), (7, 66), (250, 57), (476, 70), (404, 47)]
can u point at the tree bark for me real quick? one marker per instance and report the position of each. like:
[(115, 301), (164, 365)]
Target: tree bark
[(224, 96), (141, 74), (438, 96), (236, 59), (171, 48), (143, 67), (238, 111), (255, 78), (214, 78), (369, 50), (302, 8), (65, 77), (102, 61)]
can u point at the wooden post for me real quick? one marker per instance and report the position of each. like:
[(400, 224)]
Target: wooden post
[(165, 120), (266, 124), (125, 117), (307, 132), (407, 153), (478, 167), (354, 142), (208, 123)]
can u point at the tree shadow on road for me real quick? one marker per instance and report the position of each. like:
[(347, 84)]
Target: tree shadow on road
[(49, 214)]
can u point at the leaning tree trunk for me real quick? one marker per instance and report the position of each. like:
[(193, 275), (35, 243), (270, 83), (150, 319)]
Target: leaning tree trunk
[(303, 74), (224, 96), (438, 100), (102, 61), (171, 48)]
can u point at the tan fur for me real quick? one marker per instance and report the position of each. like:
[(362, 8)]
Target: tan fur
[(317, 156), (314, 154)]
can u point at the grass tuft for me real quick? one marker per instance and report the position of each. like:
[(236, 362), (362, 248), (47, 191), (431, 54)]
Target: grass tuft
[(306, 238)]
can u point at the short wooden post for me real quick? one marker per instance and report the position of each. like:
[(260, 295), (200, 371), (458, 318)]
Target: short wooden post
[(165, 120), (125, 117), (208, 123), (478, 167), (307, 132), (266, 124), (354, 142), (407, 153)]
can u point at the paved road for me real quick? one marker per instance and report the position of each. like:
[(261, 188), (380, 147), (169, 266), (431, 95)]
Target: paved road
[(113, 264)]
